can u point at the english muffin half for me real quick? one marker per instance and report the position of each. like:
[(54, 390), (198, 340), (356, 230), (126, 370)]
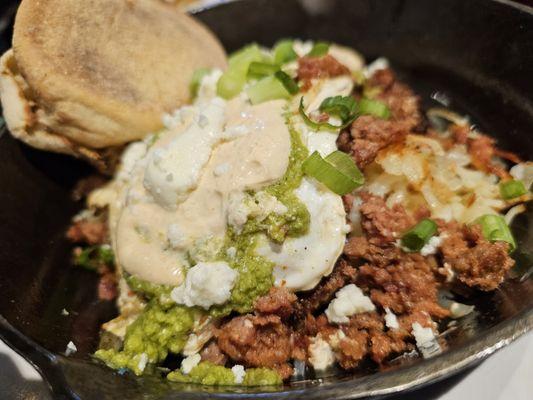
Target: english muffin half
[(88, 75)]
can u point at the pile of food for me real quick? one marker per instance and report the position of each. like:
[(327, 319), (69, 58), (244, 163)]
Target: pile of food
[(302, 213)]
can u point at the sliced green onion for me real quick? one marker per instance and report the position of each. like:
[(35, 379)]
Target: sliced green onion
[(337, 171), (512, 189), (249, 53), (196, 79), (284, 52), (261, 69), (233, 79), (289, 83), (417, 237), (319, 49), (268, 88), (322, 125), (373, 107), (342, 106), (495, 229)]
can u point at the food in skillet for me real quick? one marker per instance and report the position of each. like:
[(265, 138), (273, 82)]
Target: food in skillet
[(302, 212)]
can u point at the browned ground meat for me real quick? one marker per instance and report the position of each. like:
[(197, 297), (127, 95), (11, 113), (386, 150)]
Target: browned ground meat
[(365, 335), (403, 286), (86, 185), (278, 301), (476, 261), (342, 274), (358, 249), (257, 341), (319, 67), (213, 354), (89, 232), (382, 224), (369, 134), (107, 286)]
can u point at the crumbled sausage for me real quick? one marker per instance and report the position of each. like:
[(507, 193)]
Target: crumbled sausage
[(382, 224), (256, 341), (476, 261), (370, 134), (342, 274), (88, 231), (319, 67), (107, 286), (213, 354), (278, 301)]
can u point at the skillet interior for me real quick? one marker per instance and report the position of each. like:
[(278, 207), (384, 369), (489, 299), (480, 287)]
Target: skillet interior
[(478, 53)]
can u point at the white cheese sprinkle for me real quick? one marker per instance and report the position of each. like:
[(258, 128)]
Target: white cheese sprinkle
[(348, 301), (71, 349), (390, 319), (425, 340), (189, 363), (206, 284), (239, 373), (321, 355), (431, 246)]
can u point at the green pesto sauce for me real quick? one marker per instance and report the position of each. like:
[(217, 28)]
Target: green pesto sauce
[(147, 289), (156, 332), (255, 275), (207, 373)]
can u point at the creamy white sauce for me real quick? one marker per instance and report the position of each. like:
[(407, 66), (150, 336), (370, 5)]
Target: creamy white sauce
[(151, 236)]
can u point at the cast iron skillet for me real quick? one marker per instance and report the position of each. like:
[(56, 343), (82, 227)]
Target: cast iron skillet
[(478, 53)]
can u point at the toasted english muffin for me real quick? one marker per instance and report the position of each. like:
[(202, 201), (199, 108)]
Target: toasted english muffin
[(94, 74)]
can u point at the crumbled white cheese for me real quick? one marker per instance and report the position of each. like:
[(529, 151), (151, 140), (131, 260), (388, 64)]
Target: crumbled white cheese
[(208, 86), (130, 157), (425, 340), (431, 246), (71, 348), (238, 210), (264, 204), (334, 340), (348, 301), (321, 355), (239, 373), (176, 237), (143, 360), (261, 205), (206, 284), (190, 362), (390, 319), (185, 156)]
